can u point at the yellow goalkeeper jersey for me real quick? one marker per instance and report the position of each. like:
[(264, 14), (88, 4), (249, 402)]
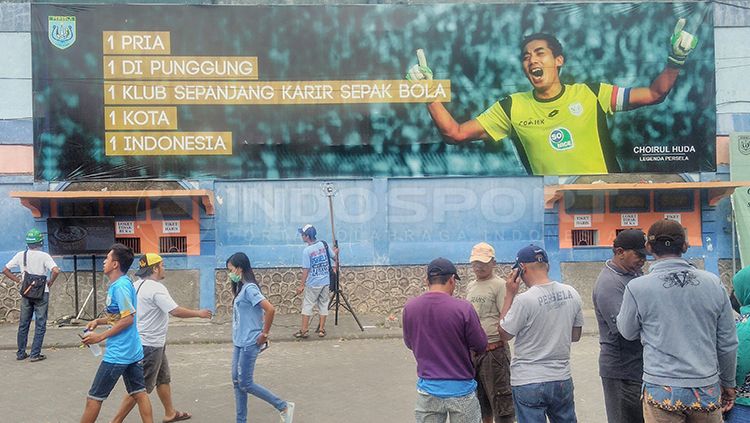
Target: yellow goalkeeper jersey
[(565, 135)]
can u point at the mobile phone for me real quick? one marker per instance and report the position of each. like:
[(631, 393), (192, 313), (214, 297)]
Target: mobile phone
[(264, 346)]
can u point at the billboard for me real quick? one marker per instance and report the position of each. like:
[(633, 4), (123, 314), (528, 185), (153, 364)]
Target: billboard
[(273, 92)]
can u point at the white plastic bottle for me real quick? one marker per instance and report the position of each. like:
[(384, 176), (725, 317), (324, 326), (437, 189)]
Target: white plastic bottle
[(95, 348)]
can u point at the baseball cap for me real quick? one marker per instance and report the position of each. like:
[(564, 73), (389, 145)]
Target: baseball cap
[(442, 266), (308, 230), (145, 263), (531, 254), (631, 239), (482, 252), (668, 232)]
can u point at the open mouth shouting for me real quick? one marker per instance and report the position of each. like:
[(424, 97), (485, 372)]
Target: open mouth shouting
[(536, 73)]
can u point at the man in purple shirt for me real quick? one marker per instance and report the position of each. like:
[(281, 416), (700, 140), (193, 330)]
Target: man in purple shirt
[(441, 331)]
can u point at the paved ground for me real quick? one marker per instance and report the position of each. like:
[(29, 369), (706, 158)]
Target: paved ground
[(335, 380)]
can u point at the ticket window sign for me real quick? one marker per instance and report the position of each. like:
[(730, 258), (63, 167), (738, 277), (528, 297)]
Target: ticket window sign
[(629, 219), (677, 217), (171, 226), (582, 221), (125, 228)]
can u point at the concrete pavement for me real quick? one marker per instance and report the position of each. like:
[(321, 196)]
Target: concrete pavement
[(198, 331)]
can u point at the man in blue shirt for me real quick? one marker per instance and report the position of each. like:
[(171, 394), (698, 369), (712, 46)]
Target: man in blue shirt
[(317, 261), (124, 351)]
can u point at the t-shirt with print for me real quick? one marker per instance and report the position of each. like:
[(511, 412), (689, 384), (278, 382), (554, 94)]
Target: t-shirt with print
[(314, 258), (38, 262), (154, 305), (487, 297), (124, 347), (247, 315), (542, 320)]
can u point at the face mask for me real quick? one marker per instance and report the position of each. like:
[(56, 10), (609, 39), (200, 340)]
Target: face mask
[(234, 277)]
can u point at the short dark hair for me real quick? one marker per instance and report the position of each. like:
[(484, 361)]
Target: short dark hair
[(438, 279), (124, 256), (666, 237), (552, 42)]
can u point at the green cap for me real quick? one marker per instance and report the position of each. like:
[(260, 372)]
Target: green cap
[(33, 236)]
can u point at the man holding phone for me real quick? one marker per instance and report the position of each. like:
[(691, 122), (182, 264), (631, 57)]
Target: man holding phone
[(544, 320)]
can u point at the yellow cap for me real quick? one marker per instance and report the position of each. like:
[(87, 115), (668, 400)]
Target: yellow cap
[(482, 252), (149, 259)]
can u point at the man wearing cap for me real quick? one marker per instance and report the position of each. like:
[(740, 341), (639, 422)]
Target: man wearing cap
[(317, 263), (684, 320), (442, 332), (487, 294), (33, 261), (544, 320), (620, 360), (155, 305)]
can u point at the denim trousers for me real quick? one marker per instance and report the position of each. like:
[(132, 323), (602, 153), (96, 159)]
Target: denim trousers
[(553, 400), (738, 414), (37, 308), (243, 367)]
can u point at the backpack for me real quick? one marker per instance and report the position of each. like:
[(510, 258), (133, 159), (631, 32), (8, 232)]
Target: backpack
[(32, 286)]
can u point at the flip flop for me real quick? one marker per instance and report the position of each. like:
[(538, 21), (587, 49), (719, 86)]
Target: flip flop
[(301, 334), (178, 417)]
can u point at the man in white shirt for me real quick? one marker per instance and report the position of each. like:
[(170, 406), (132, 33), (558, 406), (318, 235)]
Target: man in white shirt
[(152, 316), (33, 261)]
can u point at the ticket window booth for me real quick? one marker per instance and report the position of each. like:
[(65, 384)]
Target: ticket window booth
[(162, 221), (591, 215)]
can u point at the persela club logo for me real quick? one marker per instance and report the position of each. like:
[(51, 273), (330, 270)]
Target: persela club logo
[(61, 31), (561, 139)]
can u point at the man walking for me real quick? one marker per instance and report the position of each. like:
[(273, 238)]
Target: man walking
[(684, 319), (124, 351), (487, 294), (620, 360), (32, 261), (442, 332), (317, 264), (155, 305), (544, 321)]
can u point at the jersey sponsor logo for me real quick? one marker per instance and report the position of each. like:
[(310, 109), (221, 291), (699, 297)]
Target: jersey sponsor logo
[(561, 139), (553, 113), (531, 122), (576, 109)]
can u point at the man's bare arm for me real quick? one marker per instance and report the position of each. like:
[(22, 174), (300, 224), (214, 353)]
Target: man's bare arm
[(657, 91), (576, 334), (452, 131)]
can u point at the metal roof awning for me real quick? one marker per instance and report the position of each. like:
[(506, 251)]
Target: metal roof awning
[(33, 199), (717, 190)]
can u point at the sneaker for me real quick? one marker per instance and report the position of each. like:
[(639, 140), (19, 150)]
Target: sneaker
[(288, 414), (39, 357), (22, 357)]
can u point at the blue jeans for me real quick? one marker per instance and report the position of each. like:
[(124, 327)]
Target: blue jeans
[(551, 399), (738, 414), (38, 308), (109, 373), (243, 366)]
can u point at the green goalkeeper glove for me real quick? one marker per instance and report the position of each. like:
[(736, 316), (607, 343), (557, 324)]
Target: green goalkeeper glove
[(681, 44), (420, 71)]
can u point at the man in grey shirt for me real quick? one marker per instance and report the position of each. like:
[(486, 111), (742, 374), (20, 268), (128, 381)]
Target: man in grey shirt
[(544, 321), (620, 360), (684, 319)]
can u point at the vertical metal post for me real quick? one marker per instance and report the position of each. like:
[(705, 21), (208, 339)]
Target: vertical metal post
[(75, 280), (93, 280)]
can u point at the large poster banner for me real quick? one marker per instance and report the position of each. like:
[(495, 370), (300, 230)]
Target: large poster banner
[(175, 91)]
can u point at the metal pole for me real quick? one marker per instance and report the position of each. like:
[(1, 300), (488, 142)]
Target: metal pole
[(75, 279), (93, 280), (734, 237)]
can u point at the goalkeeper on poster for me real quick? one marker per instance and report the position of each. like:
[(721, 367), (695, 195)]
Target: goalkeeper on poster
[(558, 129)]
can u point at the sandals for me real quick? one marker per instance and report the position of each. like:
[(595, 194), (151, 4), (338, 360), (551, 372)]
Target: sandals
[(300, 334), (178, 417), (321, 333)]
